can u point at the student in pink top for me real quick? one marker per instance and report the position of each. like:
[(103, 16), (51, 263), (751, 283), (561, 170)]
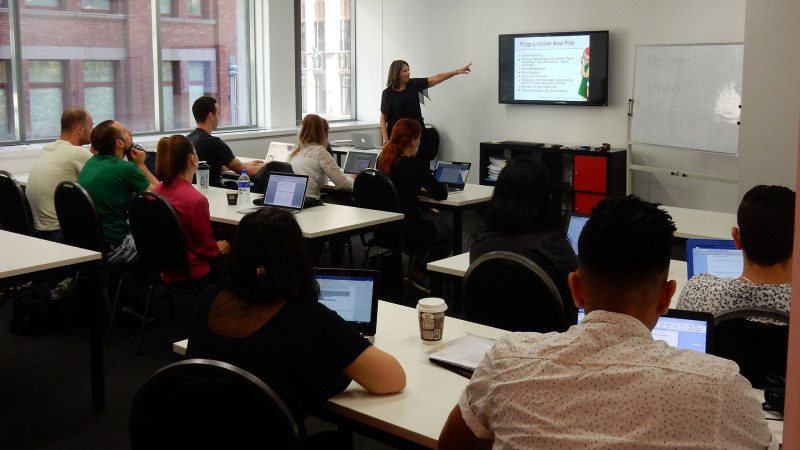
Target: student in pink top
[(176, 163)]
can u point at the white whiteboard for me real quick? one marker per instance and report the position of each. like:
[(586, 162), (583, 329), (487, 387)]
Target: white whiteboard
[(688, 96)]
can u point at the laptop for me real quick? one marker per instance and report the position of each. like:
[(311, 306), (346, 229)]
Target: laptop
[(358, 161), (353, 294), (692, 330), (364, 139), (574, 226), (284, 190), (718, 257), (279, 151), (452, 174)]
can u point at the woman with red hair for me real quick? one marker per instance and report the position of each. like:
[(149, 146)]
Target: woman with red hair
[(409, 176)]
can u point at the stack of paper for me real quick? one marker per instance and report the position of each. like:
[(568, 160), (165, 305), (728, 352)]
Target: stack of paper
[(496, 164), (462, 355)]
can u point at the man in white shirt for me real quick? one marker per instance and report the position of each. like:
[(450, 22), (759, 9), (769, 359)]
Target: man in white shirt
[(605, 383), (59, 161)]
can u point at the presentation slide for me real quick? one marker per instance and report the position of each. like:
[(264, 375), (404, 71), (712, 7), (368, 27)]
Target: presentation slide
[(552, 68)]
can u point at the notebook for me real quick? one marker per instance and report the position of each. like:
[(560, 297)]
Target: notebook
[(715, 256), (364, 139), (452, 174), (690, 330), (575, 223), (358, 161), (284, 190), (279, 151), (353, 294)]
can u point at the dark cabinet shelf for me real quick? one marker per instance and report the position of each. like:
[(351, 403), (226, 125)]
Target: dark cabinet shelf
[(580, 178)]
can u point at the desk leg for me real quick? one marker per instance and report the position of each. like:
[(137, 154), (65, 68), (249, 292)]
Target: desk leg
[(457, 231), (96, 339)]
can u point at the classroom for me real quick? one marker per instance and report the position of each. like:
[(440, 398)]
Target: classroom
[(442, 35)]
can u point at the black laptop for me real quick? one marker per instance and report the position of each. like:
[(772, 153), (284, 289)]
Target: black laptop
[(284, 190), (353, 294)]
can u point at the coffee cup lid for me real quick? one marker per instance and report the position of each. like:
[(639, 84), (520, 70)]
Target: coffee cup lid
[(431, 304)]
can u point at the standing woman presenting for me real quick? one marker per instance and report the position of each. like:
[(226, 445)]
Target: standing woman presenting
[(401, 99)]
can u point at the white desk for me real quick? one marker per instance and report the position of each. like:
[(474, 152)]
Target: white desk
[(455, 267), (22, 178), (420, 411), (473, 196), (698, 224), (25, 255), (315, 222)]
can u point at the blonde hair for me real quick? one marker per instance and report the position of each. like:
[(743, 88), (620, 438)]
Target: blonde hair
[(314, 130)]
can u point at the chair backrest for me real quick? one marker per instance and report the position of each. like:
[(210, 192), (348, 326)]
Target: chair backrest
[(259, 182), (429, 146), (15, 211), (78, 218), (201, 403), (758, 348), (150, 161), (372, 189), (157, 232), (508, 291)]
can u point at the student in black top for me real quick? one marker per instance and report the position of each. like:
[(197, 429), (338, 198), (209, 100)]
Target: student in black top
[(267, 320), (409, 175), (519, 219), (212, 149), (401, 98)]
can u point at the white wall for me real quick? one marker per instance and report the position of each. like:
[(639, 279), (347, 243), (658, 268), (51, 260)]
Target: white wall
[(440, 36)]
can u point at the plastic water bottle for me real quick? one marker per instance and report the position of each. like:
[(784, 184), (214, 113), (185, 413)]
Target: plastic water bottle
[(244, 189)]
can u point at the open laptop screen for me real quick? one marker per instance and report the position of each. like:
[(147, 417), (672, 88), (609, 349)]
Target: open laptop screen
[(691, 330), (285, 190), (718, 257), (353, 294), (452, 173), (279, 151), (575, 223), (358, 161)]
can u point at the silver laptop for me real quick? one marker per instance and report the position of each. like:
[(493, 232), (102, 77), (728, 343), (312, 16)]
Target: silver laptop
[(284, 190), (364, 139), (353, 294), (279, 151), (452, 174), (358, 161)]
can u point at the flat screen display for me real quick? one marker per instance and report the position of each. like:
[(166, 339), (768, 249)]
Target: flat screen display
[(568, 68)]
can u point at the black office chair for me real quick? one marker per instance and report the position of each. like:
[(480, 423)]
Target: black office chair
[(372, 189), (15, 211), (201, 403), (160, 246), (506, 290), (758, 348), (259, 182)]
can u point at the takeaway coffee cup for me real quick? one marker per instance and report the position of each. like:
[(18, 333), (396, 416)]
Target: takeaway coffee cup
[(431, 319), (233, 197), (202, 175)]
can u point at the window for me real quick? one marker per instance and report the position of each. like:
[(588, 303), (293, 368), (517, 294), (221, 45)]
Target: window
[(98, 89), (110, 68), (194, 8), (46, 97), (325, 81), (98, 5)]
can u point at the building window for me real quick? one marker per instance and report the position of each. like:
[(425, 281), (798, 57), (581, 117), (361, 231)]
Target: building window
[(46, 97), (171, 118), (194, 8), (325, 69), (98, 89), (165, 7), (96, 5), (49, 4), (6, 110)]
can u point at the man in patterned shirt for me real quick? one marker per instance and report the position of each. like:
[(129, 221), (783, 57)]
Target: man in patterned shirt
[(765, 235), (605, 383)]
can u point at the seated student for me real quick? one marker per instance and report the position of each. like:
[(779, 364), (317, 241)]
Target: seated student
[(606, 383), (176, 164), (519, 219), (765, 235), (111, 182), (409, 176), (267, 320), (311, 158)]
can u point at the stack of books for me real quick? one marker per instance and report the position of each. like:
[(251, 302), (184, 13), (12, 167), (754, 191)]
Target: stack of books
[(496, 164)]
